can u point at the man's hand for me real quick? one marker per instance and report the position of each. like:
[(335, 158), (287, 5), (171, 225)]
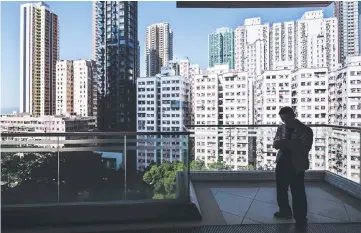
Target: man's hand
[(280, 144)]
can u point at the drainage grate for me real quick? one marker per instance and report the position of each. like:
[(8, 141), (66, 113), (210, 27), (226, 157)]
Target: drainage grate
[(260, 228)]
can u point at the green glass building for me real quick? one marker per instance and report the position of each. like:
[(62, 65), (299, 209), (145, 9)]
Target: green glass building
[(221, 47)]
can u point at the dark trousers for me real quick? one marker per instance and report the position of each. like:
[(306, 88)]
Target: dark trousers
[(286, 176)]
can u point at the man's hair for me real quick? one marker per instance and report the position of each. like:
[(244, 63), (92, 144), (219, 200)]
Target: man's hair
[(286, 111)]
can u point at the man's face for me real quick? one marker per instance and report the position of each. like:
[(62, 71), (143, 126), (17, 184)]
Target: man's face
[(287, 118)]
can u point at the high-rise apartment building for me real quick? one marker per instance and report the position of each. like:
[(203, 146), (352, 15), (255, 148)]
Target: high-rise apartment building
[(184, 68), (39, 51), (310, 102), (194, 69), (344, 145), (84, 84), (117, 64), (348, 16), (94, 31), (64, 96), (272, 92), (310, 95), (221, 47), (158, 47), (282, 45), (310, 42), (162, 106), (77, 92), (221, 99), (316, 41), (251, 45)]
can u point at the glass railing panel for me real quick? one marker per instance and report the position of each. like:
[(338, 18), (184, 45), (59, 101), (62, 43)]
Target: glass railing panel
[(233, 148), (344, 152), (29, 170), (94, 167), (91, 168), (242, 148)]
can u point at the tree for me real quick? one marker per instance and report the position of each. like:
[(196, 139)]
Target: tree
[(219, 166), (162, 178), (198, 165), (33, 178)]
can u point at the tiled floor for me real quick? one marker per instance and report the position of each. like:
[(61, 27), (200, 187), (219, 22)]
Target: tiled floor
[(256, 205)]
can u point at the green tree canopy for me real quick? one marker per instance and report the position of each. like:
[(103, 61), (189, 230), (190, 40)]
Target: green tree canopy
[(162, 178)]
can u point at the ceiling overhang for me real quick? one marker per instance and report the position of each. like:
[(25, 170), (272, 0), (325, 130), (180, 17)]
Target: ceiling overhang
[(251, 4)]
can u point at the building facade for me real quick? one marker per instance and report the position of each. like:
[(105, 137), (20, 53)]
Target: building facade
[(194, 69), (65, 87), (77, 92), (158, 47), (348, 16), (184, 68), (162, 106), (94, 31), (272, 92), (39, 51), (316, 41), (282, 45), (117, 64), (25, 123), (252, 51), (221, 47), (344, 145), (221, 99)]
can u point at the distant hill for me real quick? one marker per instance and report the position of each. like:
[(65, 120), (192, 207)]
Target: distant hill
[(9, 110)]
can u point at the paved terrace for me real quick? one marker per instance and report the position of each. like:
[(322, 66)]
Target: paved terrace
[(331, 199)]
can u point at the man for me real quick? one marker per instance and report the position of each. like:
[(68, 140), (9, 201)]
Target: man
[(294, 141)]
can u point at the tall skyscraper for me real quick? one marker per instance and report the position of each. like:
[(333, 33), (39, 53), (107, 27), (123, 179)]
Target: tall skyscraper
[(39, 42), (158, 47), (348, 16), (221, 47), (117, 64), (94, 32)]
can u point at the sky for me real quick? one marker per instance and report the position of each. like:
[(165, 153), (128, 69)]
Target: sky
[(190, 28)]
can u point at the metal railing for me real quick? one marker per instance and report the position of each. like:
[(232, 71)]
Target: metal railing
[(113, 166), (40, 161), (335, 148)]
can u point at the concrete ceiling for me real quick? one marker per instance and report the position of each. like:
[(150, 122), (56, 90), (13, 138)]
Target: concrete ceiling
[(251, 4)]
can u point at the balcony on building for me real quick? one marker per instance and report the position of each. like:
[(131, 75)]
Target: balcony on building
[(80, 181)]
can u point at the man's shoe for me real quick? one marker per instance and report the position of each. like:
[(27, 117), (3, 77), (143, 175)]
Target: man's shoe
[(301, 227), (282, 215)]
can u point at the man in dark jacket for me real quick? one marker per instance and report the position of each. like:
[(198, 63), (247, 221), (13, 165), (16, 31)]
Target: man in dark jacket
[(294, 141)]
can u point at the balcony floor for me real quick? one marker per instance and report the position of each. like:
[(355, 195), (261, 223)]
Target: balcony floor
[(254, 203)]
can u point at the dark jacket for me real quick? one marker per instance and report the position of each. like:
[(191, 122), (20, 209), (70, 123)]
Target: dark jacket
[(299, 145)]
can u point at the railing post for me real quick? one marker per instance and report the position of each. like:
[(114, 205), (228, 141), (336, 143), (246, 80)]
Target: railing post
[(188, 178), (125, 167), (58, 171), (360, 155)]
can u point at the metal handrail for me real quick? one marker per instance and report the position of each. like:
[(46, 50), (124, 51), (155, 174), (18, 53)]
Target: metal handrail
[(265, 126), (177, 133)]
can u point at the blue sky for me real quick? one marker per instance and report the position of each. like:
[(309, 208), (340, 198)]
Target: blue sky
[(191, 28)]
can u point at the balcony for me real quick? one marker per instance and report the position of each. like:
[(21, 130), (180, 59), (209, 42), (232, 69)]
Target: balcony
[(82, 182)]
